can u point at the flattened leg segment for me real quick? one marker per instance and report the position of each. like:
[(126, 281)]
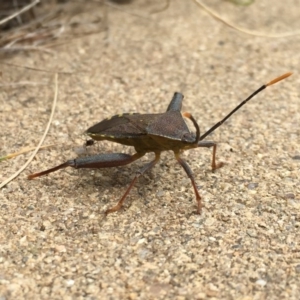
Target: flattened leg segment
[(96, 161), (108, 160), (145, 168)]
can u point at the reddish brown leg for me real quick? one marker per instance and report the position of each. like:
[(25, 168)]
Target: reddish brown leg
[(107, 160), (215, 165), (209, 144), (189, 172), (147, 167)]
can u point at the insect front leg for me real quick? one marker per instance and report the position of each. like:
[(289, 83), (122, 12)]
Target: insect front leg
[(189, 172), (208, 144)]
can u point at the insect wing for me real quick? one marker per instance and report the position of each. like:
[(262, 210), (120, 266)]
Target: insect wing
[(170, 125), (122, 126)]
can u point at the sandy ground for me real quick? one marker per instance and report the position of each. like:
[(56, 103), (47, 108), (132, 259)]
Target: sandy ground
[(55, 241)]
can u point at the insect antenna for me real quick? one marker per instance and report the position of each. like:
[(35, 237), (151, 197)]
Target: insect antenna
[(189, 116), (243, 103)]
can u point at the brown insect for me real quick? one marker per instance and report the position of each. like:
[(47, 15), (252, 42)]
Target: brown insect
[(150, 133)]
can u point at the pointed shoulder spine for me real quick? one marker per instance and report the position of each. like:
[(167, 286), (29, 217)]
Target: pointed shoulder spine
[(176, 102)]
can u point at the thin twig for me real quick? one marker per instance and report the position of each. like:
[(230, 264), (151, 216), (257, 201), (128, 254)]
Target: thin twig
[(243, 30), (12, 155), (26, 48), (37, 69), (29, 6), (5, 182), (159, 10), (126, 11)]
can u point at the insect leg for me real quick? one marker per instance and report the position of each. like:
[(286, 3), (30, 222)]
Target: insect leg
[(107, 160), (209, 144), (189, 116), (189, 172), (145, 168)]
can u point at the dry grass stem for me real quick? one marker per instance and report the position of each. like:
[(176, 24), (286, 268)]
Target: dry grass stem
[(12, 155), (21, 11), (5, 182), (244, 30)]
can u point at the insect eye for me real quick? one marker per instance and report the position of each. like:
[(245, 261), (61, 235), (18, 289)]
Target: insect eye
[(188, 137)]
